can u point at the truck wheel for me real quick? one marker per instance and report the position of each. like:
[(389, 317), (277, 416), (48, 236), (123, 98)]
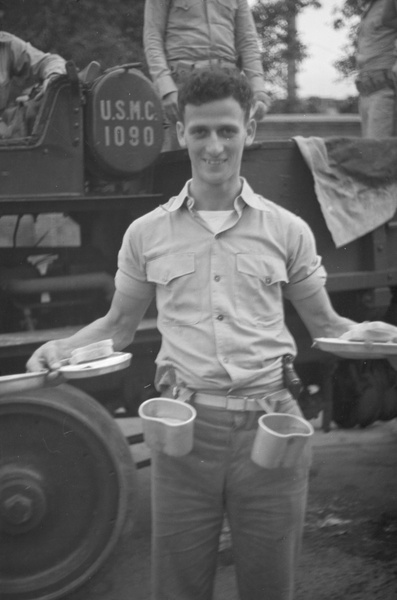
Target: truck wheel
[(67, 486)]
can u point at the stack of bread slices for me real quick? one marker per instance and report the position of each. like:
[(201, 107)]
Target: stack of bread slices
[(95, 351)]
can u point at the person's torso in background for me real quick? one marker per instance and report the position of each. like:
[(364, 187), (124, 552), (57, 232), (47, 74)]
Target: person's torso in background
[(16, 68), (376, 43), (200, 30)]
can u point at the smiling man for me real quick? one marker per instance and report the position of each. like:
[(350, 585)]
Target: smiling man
[(219, 259), (215, 134)]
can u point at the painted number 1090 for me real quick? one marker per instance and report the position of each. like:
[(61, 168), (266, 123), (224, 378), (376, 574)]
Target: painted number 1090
[(133, 136)]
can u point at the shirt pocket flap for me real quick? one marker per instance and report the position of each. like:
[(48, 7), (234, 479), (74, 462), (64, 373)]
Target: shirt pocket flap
[(164, 269), (259, 266), (185, 4)]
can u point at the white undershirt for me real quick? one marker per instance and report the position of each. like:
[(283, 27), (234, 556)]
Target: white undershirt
[(215, 218)]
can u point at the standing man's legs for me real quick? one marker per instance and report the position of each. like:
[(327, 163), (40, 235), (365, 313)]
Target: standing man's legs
[(188, 509), (378, 114), (265, 507)]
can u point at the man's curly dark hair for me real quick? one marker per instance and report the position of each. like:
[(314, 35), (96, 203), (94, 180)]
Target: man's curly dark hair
[(208, 85)]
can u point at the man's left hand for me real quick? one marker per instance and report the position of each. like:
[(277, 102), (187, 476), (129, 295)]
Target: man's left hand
[(261, 106)]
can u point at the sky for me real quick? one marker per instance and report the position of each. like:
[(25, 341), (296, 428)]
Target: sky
[(317, 75)]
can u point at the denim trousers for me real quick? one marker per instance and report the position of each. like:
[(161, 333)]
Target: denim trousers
[(191, 494), (378, 114)]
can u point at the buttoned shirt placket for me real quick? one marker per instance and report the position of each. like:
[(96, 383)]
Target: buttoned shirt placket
[(218, 283)]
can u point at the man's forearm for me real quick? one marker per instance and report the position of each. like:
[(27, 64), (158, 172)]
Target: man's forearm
[(154, 32), (247, 47), (319, 316), (119, 324), (97, 331), (52, 65)]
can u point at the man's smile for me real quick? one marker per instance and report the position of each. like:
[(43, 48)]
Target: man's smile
[(215, 161)]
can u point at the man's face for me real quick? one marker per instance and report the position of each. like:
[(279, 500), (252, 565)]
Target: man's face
[(215, 135)]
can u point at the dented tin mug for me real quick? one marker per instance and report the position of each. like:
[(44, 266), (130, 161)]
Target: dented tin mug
[(168, 425), (281, 440)]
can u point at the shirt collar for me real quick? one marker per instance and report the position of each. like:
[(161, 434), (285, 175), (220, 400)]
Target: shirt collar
[(246, 196)]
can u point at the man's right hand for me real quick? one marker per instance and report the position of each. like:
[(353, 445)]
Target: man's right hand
[(47, 357), (170, 105)]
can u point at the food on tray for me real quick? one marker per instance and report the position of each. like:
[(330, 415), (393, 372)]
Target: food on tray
[(94, 351), (372, 331)]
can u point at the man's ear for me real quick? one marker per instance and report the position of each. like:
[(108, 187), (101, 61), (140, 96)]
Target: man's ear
[(180, 132), (251, 131)]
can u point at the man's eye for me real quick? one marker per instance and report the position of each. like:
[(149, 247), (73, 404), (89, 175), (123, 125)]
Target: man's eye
[(199, 133), (227, 132)]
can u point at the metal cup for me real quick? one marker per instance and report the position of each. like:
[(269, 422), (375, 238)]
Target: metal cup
[(280, 440), (168, 425)]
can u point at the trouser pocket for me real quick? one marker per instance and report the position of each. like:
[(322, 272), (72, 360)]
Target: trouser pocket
[(283, 440)]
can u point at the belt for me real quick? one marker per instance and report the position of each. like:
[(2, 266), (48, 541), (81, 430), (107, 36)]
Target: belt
[(369, 82), (191, 64), (267, 402), (182, 69)]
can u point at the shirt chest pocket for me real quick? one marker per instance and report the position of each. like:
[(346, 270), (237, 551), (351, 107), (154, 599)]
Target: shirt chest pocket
[(226, 8), (177, 288), (258, 289), (197, 8), (186, 9)]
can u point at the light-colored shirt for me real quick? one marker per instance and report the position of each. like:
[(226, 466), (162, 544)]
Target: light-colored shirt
[(375, 42), (220, 296), (200, 30), (22, 65)]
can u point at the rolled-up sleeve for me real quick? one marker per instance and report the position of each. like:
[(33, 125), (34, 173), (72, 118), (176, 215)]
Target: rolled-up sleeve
[(41, 64), (306, 274), (131, 277)]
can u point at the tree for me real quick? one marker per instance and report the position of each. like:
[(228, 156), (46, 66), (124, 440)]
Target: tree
[(282, 50), (347, 16), (109, 31)]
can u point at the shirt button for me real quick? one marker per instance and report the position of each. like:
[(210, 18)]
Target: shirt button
[(217, 278), (268, 280), (220, 317), (225, 360)]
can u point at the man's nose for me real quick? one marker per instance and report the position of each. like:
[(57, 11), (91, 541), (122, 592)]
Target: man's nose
[(215, 144)]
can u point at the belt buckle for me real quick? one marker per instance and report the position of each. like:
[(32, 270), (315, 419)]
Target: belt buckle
[(244, 400)]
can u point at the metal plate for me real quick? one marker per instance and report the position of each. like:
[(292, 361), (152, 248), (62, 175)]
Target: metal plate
[(111, 364), (360, 350), (67, 485), (21, 381)]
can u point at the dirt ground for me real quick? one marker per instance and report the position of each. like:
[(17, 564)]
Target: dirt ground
[(350, 540)]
